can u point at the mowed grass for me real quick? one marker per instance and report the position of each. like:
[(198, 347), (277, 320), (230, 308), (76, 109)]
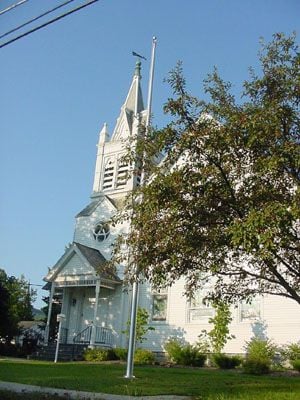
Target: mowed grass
[(199, 383)]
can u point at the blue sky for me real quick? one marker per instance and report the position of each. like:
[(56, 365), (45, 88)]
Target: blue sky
[(60, 84)]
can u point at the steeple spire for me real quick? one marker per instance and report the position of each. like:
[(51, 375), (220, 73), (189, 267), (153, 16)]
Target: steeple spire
[(132, 106), (137, 71)]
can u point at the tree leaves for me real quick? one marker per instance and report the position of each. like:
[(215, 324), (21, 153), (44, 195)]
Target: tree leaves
[(224, 202)]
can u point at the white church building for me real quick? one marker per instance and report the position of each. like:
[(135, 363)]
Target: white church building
[(96, 306)]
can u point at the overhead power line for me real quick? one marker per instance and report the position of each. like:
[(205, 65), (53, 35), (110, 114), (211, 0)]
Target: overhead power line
[(12, 6), (35, 18), (48, 23)]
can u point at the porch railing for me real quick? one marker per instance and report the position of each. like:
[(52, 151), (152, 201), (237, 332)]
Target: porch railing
[(84, 336), (104, 336)]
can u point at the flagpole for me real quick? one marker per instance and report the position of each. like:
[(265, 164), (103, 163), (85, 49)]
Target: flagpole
[(135, 287), (150, 87)]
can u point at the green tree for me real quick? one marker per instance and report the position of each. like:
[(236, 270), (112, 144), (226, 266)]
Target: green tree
[(218, 336), (16, 301), (142, 327), (224, 203), (4, 304), (55, 310)]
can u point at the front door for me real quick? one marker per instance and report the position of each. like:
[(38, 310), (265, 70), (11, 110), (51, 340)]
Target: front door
[(76, 301)]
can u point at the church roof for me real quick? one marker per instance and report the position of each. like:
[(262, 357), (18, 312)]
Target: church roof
[(91, 257), (97, 261), (88, 210)]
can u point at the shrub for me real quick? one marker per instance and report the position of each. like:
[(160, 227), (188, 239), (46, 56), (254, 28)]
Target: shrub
[(173, 349), (184, 354), (190, 355), (143, 356), (256, 366), (226, 362), (259, 357), (292, 351), (121, 353), (11, 350), (296, 365), (260, 349), (97, 355)]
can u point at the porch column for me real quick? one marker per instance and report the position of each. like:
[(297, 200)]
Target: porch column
[(47, 329), (93, 334)]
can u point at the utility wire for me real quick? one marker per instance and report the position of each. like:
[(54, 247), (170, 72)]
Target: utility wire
[(48, 23), (12, 6), (35, 18)]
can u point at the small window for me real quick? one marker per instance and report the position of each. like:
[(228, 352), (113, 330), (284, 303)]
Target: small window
[(199, 309), (159, 306), (101, 231), (250, 311)]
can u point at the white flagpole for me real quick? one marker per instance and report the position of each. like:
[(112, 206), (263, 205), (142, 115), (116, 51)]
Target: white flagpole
[(150, 87), (135, 288)]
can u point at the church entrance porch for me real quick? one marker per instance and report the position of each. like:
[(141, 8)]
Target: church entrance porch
[(86, 308)]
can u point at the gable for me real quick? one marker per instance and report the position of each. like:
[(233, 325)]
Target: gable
[(82, 262), (123, 127), (72, 262), (76, 266), (100, 210)]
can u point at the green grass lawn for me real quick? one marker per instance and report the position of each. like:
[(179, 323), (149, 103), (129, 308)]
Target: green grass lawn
[(200, 383)]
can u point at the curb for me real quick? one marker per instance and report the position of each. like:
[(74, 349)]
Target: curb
[(76, 395)]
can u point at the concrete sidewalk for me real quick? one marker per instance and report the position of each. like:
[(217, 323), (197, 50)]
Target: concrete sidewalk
[(75, 394)]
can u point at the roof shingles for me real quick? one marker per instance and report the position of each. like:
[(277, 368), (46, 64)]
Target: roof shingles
[(97, 261)]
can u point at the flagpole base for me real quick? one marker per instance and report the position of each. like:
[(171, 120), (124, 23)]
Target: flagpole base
[(129, 376)]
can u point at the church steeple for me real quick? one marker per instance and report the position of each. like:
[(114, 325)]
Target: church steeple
[(111, 171), (131, 108)]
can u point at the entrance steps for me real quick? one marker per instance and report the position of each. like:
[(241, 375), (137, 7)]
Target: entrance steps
[(67, 352)]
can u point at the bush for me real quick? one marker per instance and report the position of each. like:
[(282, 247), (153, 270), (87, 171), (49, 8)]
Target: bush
[(296, 364), (121, 354), (259, 356), (260, 349), (143, 356), (292, 351), (226, 362), (99, 355), (173, 348), (256, 366), (12, 350), (184, 354), (190, 355)]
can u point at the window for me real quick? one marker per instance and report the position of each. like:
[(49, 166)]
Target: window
[(122, 174), (250, 311), (200, 310), (108, 175), (101, 231), (159, 305)]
